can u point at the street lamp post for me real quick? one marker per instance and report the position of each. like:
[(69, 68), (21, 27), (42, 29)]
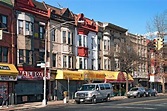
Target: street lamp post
[(45, 59)]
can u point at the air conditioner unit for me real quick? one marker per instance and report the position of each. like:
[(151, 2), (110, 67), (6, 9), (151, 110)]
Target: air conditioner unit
[(28, 33)]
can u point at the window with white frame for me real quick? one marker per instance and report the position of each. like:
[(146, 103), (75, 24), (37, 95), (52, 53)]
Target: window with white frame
[(80, 63), (53, 35), (4, 22), (108, 44), (69, 37), (85, 63), (108, 64), (80, 41), (28, 57), (93, 64), (3, 54), (105, 44), (27, 26), (54, 60), (105, 63), (69, 62), (64, 37), (20, 27), (84, 44), (41, 32), (99, 63), (98, 44), (64, 61), (92, 42), (21, 56)]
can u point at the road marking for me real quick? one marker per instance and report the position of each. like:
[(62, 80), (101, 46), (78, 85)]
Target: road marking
[(142, 102)]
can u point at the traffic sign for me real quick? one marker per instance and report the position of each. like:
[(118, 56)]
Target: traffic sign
[(41, 64)]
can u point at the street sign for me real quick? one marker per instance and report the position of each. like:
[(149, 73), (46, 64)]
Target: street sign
[(1, 32), (41, 64)]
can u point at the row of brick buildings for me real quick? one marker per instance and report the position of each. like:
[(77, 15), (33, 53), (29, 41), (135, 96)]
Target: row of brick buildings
[(33, 29)]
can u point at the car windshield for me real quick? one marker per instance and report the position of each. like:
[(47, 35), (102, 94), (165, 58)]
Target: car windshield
[(134, 89), (87, 88)]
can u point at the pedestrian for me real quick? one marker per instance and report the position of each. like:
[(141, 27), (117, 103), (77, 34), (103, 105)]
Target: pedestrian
[(5, 99)]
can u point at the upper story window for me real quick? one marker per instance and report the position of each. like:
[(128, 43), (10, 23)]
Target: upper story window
[(108, 44), (105, 44), (20, 26), (92, 42), (27, 26), (80, 63), (64, 61), (98, 44), (4, 54), (41, 56), (21, 56), (41, 32), (80, 40), (69, 37), (85, 63), (54, 60), (53, 35), (84, 44), (64, 36), (3, 22), (105, 63), (69, 62)]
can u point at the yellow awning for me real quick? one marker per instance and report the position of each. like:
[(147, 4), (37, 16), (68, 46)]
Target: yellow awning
[(130, 78), (8, 69), (93, 75), (72, 75), (115, 76)]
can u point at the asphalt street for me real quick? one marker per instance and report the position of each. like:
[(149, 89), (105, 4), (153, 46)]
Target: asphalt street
[(137, 104)]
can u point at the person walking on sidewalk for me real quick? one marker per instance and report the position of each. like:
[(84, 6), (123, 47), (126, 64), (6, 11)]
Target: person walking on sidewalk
[(5, 99)]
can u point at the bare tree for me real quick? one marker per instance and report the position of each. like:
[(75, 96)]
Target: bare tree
[(128, 57), (159, 24)]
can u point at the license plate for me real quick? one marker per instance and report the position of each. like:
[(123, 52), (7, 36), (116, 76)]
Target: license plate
[(81, 100)]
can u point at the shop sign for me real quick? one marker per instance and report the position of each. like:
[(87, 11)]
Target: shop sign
[(8, 78), (73, 76), (32, 75), (4, 67)]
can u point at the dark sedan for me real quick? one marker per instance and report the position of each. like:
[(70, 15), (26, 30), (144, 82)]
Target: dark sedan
[(151, 92)]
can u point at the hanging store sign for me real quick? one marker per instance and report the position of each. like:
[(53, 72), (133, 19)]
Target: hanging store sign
[(32, 75), (8, 78)]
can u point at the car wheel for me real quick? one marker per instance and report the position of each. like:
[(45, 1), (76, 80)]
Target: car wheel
[(108, 98), (149, 95), (155, 94), (78, 102), (94, 100)]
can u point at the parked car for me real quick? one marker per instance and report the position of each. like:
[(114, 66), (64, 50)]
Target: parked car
[(136, 92), (151, 92), (93, 92)]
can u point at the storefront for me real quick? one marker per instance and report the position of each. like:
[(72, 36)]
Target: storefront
[(67, 80), (118, 80), (29, 86), (93, 76), (8, 78)]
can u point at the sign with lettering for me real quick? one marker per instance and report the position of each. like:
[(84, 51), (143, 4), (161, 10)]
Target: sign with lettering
[(4, 67), (8, 78), (1, 32), (32, 75)]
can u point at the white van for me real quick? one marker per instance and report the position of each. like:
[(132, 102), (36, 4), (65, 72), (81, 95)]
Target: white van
[(93, 92)]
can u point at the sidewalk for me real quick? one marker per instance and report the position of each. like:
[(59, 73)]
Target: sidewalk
[(34, 105)]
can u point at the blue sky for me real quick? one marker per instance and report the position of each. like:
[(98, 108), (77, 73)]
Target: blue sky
[(129, 14)]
